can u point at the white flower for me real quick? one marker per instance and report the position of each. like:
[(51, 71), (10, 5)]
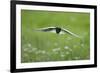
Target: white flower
[(55, 49), (34, 49), (66, 47), (62, 55), (43, 52), (67, 52), (76, 58), (29, 45)]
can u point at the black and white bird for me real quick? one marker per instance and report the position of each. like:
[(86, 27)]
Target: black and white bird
[(57, 30)]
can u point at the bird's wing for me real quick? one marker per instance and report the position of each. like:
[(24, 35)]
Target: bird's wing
[(67, 31), (46, 29)]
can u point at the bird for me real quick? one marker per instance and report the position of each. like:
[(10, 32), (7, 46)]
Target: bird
[(57, 30)]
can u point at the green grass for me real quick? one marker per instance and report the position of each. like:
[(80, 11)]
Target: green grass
[(45, 46)]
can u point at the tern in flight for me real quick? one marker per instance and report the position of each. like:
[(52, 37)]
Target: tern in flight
[(57, 30)]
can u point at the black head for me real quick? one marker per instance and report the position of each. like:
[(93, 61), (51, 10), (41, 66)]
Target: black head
[(58, 29)]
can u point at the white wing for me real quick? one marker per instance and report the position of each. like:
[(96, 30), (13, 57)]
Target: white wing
[(67, 31), (47, 29)]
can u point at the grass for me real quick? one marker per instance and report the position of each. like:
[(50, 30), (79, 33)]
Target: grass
[(45, 46)]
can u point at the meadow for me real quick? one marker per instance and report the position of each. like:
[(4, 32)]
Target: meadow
[(46, 46)]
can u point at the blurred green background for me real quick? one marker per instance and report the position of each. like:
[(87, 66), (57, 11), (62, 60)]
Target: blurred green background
[(46, 46)]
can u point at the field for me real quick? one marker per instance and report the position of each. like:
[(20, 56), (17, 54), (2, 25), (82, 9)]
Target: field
[(39, 46)]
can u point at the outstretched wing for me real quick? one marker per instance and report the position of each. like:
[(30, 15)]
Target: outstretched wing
[(47, 29), (67, 31)]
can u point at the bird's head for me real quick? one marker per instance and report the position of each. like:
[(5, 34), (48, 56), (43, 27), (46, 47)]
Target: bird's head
[(58, 29)]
